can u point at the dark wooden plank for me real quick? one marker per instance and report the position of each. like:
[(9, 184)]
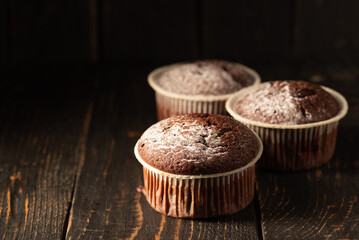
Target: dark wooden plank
[(149, 31), (238, 226), (44, 117), (247, 30), (53, 32), (321, 203), (106, 204), (326, 30)]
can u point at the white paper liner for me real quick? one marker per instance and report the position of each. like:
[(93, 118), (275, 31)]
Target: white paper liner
[(293, 147), (168, 106), (199, 196), (171, 104)]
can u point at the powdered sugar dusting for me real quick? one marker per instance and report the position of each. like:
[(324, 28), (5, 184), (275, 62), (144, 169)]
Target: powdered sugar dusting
[(271, 104), (198, 144), (193, 139), (198, 79), (288, 102)]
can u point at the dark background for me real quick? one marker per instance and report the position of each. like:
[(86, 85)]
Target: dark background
[(160, 32)]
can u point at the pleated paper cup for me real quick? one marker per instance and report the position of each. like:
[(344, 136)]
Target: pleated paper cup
[(171, 104), (293, 147), (199, 196)]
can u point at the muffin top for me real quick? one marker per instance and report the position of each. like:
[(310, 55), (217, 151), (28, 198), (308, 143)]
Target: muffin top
[(206, 77), (196, 144), (289, 103)]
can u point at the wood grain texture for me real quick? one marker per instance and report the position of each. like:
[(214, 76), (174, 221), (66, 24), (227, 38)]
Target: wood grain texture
[(247, 30), (106, 204), (321, 203), (149, 31), (42, 129), (52, 32), (326, 30)]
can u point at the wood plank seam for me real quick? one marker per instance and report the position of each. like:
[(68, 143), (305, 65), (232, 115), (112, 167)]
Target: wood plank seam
[(68, 213), (258, 213), (82, 152)]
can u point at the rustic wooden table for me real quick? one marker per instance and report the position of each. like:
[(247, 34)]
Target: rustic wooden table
[(67, 169)]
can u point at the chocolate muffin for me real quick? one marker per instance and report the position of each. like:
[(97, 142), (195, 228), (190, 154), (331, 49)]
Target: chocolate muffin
[(296, 120), (198, 87), (195, 154), (288, 102), (198, 144), (207, 77)]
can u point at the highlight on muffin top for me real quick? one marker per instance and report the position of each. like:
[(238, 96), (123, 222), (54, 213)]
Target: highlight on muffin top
[(206, 77), (196, 144), (288, 103)]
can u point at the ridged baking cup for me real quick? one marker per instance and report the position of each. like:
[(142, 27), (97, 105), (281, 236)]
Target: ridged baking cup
[(293, 147), (199, 196), (171, 104)]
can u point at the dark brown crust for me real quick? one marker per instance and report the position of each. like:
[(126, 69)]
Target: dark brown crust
[(314, 101), (309, 103), (220, 144)]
